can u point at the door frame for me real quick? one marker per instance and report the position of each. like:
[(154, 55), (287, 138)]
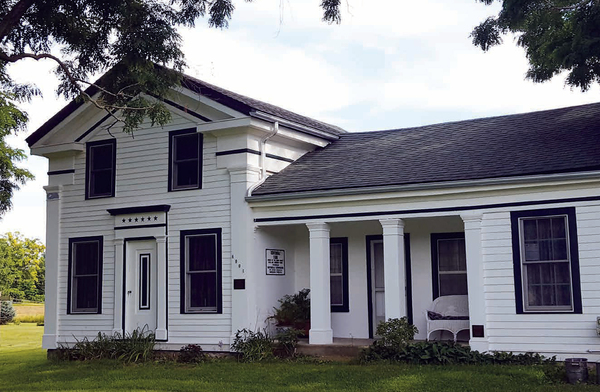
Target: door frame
[(408, 275)]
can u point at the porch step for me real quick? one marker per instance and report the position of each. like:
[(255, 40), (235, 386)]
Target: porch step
[(342, 349)]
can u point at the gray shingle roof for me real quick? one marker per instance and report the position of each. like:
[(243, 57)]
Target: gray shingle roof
[(551, 141)]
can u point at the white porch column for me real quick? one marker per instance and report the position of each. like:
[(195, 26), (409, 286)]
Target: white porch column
[(161, 288), (393, 267), (118, 306), (320, 300), (49, 339), (477, 315)]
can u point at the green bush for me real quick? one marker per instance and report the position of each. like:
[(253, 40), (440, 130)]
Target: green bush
[(293, 310), (287, 340), (7, 312), (138, 346), (395, 332), (192, 353), (253, 346)]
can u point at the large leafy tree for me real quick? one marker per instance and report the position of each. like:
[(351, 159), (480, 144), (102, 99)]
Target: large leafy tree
[(22, 267), (557, 35), (137, 40)]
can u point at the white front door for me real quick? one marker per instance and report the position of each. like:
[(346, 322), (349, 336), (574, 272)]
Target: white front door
[(377, 282), (140, 286)]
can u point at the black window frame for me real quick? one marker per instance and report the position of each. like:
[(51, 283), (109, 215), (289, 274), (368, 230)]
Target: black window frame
[(434, 258), (184, 308), (172, 136), (573, 252), (72, 242), (88, 168), (345, 306)]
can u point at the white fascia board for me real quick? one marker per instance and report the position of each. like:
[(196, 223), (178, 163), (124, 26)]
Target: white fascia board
[(443, 189), (57, 148), (209, 102)]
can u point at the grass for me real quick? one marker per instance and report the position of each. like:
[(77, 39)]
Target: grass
[(29, 312), (23, 366)]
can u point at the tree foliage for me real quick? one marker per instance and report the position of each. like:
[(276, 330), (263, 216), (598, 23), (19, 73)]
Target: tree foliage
[(557, 35), (22, 267)]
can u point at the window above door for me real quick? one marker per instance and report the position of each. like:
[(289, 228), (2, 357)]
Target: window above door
[(185, 160)]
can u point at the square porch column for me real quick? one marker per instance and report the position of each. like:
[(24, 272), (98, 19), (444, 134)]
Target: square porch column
[(320, 296), (475, 284), (393, 268)]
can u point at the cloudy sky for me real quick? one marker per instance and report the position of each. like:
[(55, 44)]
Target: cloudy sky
[(390, 64)]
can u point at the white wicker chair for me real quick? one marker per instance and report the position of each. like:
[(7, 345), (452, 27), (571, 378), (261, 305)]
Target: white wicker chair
[(449, 305)]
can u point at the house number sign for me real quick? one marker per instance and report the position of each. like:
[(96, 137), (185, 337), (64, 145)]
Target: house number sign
[(275, 262)]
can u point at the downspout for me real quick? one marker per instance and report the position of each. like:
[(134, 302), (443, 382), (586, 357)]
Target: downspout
[(263, 157)]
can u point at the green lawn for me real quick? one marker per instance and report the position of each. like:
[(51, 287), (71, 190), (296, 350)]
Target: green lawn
[(23, 366)]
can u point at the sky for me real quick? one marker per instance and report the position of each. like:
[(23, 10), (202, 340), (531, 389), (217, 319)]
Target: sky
[(389, 64)]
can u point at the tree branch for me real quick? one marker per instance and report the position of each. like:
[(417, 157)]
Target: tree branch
[(13, 17)]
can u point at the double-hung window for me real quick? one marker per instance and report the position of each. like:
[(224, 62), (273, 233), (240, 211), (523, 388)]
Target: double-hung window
[(100, 168), (85, 275), (185, 160), (338, 278), (449, 264), (546, 263), (201, 271)]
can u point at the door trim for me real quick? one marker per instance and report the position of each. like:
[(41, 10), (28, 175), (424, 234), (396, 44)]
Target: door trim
[(123, 307), (408, 274)]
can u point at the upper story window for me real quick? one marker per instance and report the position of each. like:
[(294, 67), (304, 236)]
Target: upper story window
[(201, 265), (338, 274), (546, 262), (101, 161), (449, 264), (85, 275), (185, 160)]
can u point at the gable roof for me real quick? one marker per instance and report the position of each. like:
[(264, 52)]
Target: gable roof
[(550, 141), (246, 105)]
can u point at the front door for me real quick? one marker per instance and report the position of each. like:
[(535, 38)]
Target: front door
[(140, 286), (377, 281)]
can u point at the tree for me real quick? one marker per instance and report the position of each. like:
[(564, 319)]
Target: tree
[(137, 40), (557, 35), (22, 267)]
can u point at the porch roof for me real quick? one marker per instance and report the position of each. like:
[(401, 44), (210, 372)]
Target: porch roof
[(544, 142)]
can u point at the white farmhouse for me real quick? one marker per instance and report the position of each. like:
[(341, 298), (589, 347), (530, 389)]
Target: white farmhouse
[(195, 230)]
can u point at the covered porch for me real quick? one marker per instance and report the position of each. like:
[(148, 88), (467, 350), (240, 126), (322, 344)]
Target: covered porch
[(363, 270)]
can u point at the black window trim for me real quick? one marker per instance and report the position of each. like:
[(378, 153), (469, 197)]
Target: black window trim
[(434, 257), (172, 135), (183, 261), (72, 241), (88, 147), (570, 213), (345, 306)]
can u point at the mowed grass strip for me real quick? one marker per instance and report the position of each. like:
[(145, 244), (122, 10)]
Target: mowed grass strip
[(23, 366)]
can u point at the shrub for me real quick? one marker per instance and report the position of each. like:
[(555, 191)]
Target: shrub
[(253, 346), (138, 346), (7, 312), (192, 353), (287, 340), (293, 310), (396, 332), (32, 318)]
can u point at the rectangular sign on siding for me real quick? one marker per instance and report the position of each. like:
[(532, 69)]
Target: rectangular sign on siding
[(275, 262)]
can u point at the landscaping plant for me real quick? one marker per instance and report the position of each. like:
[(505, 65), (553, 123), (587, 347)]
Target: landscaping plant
[(192, 353), (253, 346), (7, 312), (294, 310)]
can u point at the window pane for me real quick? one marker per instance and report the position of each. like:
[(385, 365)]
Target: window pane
[(563, 294), (144, 280), (85, 258), (335, 255), (379, 273), (545, 248), (544, 228), (101, 182), (336, 290), (203, 290), (562, 273), (451, 255), (534, 274), (534, 295), (532, 251), (186, 173), (558, 227), (186, 146), (85, 291), (101, 156), (453, 284), (202, 253)]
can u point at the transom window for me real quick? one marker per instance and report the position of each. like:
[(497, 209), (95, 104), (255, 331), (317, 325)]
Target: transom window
[(545, 260), (449, 264), (185, 165), (100, 168), (85, 275), (338, 277), (201, 268)]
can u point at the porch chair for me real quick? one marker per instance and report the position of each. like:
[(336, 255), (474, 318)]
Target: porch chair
[(448, 313)]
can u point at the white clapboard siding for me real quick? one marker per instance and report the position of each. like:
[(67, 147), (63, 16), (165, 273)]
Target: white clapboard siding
[(545, 333), (141, 179)]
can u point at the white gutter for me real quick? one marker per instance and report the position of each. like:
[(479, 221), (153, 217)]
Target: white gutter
[(263, 157)]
